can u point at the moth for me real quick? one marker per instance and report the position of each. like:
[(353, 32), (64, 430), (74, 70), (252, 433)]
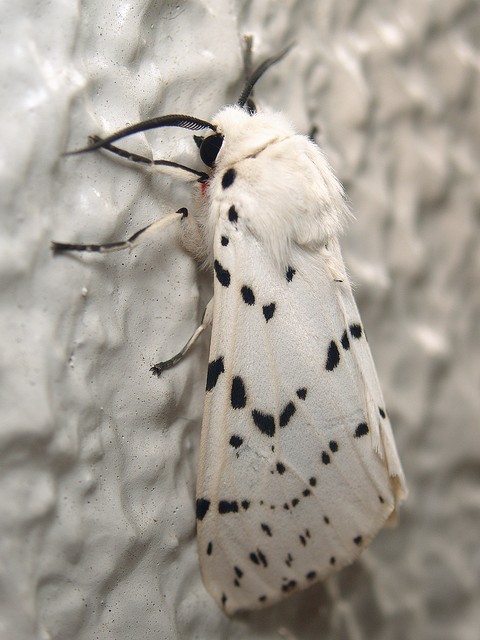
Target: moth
[(298, 467)]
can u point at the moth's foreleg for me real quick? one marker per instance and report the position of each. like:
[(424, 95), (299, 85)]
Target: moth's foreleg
[(168, 364), (165, 166), (137, 238)]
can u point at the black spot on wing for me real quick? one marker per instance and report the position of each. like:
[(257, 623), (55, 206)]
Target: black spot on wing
[(238, 396), (312, 481), (228, 178), (265, 528), (287, 414), (345, 341), (238, 572), (202, 507), (225, 506), (245, 504), (361, 430), (209, 549), (302, 393), (265, 422), (358, 540), (333, 357), (311, 575), (248, 295), (223, 275), (268, 311), (215, 369), (281, 468), (326, 459), (356, 330), (232, 214), (258, 558), (382, 412), (289, 586), (236, 441), (224, 241), (290, 273)]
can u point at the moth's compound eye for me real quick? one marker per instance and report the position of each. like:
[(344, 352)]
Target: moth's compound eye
[(210, 147), (251, 107)]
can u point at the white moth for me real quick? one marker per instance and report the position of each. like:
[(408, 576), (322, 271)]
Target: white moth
[(298, 467)]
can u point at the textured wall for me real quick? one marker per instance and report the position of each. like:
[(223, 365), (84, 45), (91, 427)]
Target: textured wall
[(97, 457)]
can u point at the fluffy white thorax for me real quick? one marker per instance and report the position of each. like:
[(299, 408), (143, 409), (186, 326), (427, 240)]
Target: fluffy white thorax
[(284, 191)]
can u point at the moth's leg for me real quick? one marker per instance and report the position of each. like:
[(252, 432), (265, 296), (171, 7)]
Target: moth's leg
[(168, 364), (247, 55), (312, 134), (165, 166), (137, 238), (248, 68)]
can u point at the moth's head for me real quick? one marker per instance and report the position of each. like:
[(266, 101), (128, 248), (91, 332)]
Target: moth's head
[(241, 134), (239, 130)]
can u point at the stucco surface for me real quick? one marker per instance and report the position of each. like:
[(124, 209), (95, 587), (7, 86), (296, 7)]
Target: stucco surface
[(97, 457)]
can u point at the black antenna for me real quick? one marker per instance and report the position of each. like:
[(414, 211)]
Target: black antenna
[(175, 120), (258, 73)]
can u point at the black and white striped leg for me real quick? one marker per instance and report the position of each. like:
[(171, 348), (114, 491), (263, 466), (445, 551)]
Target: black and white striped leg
[(165, 166), (168, 364), (137, 238)]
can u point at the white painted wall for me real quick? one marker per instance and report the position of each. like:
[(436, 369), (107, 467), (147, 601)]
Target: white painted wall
[(97, 457)]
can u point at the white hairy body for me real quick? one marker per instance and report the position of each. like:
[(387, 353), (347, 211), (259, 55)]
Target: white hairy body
[(298, 466)]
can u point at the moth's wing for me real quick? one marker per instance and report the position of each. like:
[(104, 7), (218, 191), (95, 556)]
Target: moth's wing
[(298, 468), (354, 340)]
